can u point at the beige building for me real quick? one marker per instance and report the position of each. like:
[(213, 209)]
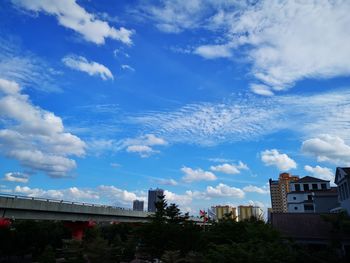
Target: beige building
[(279, 190), (246, 212), (224, 211)]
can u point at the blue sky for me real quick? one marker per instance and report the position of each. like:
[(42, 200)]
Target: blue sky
[(102, 100)]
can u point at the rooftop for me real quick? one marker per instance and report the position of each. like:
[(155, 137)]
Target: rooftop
[(310, 179)]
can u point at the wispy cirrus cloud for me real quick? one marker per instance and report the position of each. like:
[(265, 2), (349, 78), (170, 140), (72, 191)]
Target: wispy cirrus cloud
[(248, 117), (26, 68), (71, 15), (283, 41)]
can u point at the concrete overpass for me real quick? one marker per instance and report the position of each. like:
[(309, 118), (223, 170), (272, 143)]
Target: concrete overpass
[(23, 207)]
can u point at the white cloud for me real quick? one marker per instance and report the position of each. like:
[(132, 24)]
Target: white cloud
[(261, 89), (192, 175), (213, 51), (91, 67), (248, 117), (323, 173), (229, 168), (282, 161), (127, 67), (144, 150), (223, 190), (71, 15), (117, 195), (181, 200), (328, 148), (163, 181), (16, 177), (256, 189), (33, 136), (283, 41), (26, 68), (143, 145)]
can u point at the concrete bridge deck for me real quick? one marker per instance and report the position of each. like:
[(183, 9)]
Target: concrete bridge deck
[(24, 207)]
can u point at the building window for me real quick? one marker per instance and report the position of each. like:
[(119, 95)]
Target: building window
[(294, 198), (309, 197), (314, 187), (323, 186), (308, 207), (306, 187), (297, 187), (346, 192), (295, 208)]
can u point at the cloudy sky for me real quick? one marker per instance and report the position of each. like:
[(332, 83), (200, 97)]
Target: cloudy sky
[(207, 99)]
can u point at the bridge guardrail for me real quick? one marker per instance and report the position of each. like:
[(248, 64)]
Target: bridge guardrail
[(60, 201)]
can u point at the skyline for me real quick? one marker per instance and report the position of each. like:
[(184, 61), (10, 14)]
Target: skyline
[(206, 99)]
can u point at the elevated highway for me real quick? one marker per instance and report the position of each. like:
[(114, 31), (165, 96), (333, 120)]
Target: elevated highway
[(23, 207)]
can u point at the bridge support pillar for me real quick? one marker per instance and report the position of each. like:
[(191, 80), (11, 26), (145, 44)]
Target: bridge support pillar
[(78, 228), (5, 222)]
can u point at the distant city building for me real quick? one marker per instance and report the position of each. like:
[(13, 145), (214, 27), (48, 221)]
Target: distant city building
[(137, 205), (342, 180), (269, 212), (224, 211), (311, 195), (153, 197), (278, 191), (249, 211)]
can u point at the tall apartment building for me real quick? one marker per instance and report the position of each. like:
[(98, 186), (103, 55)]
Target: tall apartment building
[(246, 212), (137, 205), (279, 190), (222, 211), (153, 197)]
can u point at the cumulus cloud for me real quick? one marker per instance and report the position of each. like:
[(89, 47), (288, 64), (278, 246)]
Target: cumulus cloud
[(256, 189), (223, 190), (71, 15), (118, 195), (143, 145), (33, 136), (192, 175), (281, 160), (283, 41), (91, 67), (16, 177), (229, 168), (323, 173), (328, 148)]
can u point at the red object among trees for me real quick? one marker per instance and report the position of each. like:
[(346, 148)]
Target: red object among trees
[(78, 228), (5, 222)]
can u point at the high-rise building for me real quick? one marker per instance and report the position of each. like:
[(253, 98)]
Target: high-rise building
[(137, 205), (246, 212), (153, 197), (224, 211), (279, 190)]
